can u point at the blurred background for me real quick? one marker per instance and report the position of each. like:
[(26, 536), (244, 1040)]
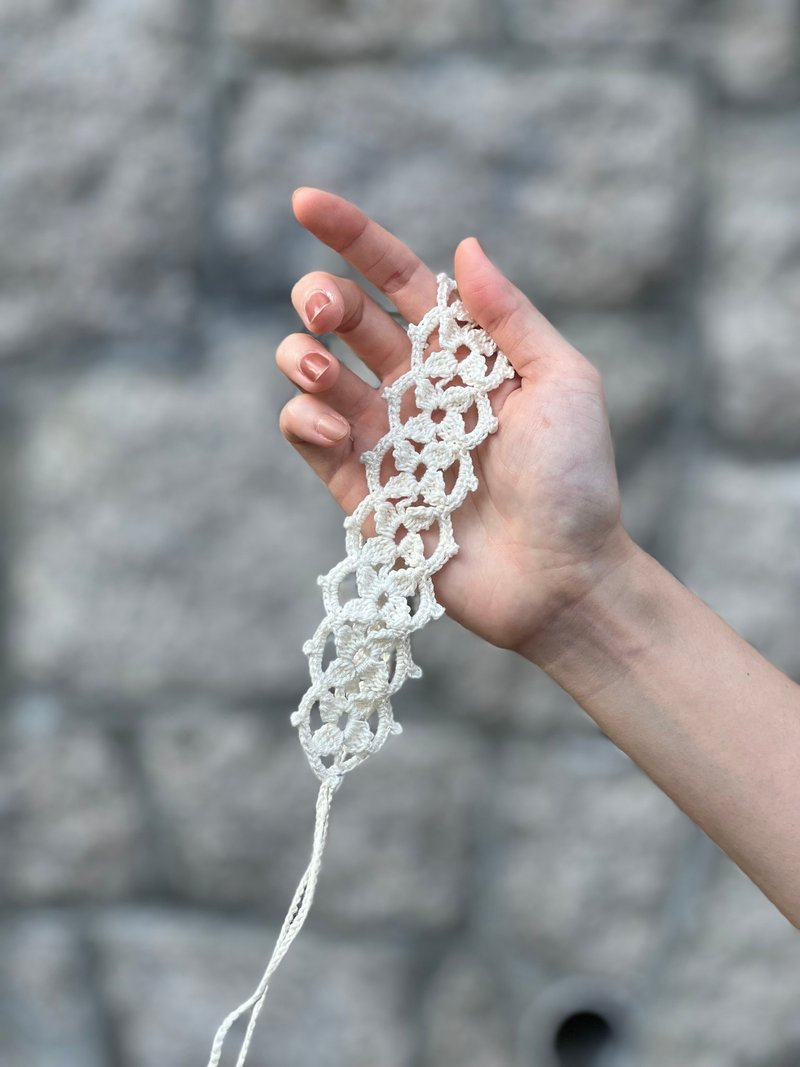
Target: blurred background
[(502, 887)]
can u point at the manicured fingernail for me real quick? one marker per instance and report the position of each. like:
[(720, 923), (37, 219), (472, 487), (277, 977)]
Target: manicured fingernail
[(313, 365), (334, 427), (315, 303)]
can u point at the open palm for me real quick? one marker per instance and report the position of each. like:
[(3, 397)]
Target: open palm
[(544, 522)]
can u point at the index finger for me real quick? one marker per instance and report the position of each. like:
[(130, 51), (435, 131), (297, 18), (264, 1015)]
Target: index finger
[(376, 253)]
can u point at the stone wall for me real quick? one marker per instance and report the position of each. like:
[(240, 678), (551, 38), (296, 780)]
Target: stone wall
[(502, 887)]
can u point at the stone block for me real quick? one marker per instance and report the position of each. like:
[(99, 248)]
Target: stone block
[(577, 179), (97, 192), (751, 48), (168, 535), (751, 303), (595, 22), (729, 986), (585, 847), (317, 28), (403, 832), (248, 777), (47, 1014), (464, 1021), (396, 853), (170, 979), (736, 547), (649, 493), (71, 826)]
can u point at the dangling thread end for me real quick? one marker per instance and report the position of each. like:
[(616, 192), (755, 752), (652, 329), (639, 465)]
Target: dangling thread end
[(292, 924)]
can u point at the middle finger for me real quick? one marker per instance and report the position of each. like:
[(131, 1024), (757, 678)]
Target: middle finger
[(382, 258)]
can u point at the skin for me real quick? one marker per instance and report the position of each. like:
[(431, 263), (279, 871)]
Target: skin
[(545, 567)]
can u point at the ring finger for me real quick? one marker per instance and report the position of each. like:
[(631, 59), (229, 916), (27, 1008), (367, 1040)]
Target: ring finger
[(329, 304)]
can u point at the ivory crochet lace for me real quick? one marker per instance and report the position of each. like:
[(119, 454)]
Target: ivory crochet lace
[(346, 713)]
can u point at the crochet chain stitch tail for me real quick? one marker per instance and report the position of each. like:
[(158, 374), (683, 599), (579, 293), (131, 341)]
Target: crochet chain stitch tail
[(292, 924)]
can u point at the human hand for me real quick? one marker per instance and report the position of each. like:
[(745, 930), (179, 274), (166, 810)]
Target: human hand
[(543, 528)]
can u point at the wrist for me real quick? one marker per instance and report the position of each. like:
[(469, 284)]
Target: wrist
[(607, 623)]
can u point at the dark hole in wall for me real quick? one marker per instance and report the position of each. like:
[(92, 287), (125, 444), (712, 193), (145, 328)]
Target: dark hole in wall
[(582, 1039)]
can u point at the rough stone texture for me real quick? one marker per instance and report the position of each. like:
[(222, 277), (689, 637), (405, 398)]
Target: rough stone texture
[(750, 47), (47, 1011), (168, 536), (592, 22), (649, 498), (576, 177), (251, 844), (97, 191), (729, 990), (463, 1020), (404, 830), (737, 549), (70, 820), (618, 842), (499, 867), (170, 979), (752, 304), (319, 28), (395, 855)]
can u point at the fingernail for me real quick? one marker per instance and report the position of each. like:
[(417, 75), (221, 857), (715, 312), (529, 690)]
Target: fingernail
[(315, 303), (313, 365), (334, 427)]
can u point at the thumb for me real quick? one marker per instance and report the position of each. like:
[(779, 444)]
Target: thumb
[(523, 334)]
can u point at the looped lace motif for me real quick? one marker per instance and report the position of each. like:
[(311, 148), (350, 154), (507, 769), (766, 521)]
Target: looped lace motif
[(371, 630), (429, 443)]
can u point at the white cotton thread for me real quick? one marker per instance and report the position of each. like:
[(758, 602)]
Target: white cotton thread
[(371, 631)]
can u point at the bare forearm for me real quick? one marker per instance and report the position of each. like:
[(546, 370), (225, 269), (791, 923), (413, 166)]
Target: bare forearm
[(712, 722)]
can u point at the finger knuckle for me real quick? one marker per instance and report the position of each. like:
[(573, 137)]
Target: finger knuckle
[(399, 277), (354, 315)]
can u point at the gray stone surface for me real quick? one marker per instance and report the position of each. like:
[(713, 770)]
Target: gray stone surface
[(464, 1024), (594, 22), (171, 978), (404, 830), (649, 495), (97, 191), (317, 28), (71, 825), (168, 535), (585, 901), (576, 177), (750, 47), (736, 547), (751, 305), (48, 1016), (395, 855), (730, 988), (248, 776), (492, 687), (632, 164)]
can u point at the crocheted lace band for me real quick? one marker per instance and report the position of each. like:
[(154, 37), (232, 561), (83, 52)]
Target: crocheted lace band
[(439, 412)]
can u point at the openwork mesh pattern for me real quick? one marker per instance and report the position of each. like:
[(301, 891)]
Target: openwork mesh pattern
[(439, 410), (346, 714)]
